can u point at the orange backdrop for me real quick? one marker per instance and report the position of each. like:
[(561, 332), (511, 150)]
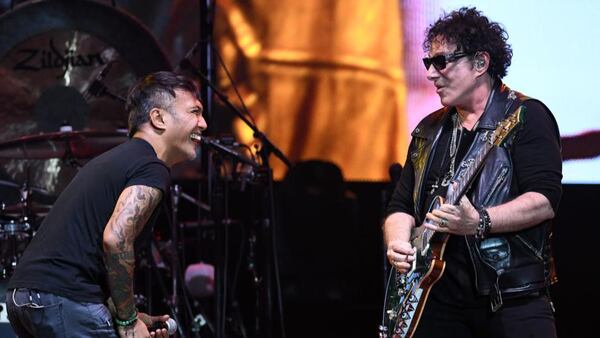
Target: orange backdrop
[(323, 79)]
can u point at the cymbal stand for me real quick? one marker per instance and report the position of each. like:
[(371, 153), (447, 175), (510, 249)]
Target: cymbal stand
[(269, 224), (176, 267), (175, 192), (218, 191)]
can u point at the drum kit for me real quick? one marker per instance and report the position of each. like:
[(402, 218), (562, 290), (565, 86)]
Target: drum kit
[(18, 221)]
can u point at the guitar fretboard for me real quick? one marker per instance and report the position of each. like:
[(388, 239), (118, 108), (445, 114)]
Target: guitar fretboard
[(467, 171)]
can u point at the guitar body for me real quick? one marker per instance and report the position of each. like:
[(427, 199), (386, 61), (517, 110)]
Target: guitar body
[(406, 294)]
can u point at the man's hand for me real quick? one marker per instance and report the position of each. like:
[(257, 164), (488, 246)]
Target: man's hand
[(401, 255), (140, 329), (149, 320), (461, 219), (396, 233)]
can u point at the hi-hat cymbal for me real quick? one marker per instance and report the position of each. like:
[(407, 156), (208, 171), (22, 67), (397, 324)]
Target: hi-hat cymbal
[(25, 209), (73, 144)]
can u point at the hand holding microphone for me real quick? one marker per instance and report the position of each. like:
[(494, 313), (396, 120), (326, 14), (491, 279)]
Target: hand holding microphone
[(170, 325), (155, 324)]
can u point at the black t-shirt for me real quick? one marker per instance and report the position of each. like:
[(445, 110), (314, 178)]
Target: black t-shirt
[(65, 257), (536, 158)]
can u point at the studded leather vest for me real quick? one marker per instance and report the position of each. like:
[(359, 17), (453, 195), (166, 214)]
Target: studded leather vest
[(507, 264)]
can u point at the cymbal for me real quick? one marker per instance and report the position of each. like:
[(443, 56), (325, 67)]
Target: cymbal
[(72, 144), (37, 190), (23, 208), (51, 53)]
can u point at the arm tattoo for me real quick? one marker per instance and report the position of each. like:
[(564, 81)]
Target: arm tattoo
[(133, 209)]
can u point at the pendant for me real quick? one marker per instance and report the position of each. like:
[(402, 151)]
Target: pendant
[(434, 187), (447, 179)]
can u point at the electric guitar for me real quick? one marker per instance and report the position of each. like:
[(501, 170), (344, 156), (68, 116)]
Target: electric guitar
[(406, 294)]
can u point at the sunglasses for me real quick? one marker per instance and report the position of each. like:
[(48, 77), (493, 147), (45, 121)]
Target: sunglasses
[(440, 61)]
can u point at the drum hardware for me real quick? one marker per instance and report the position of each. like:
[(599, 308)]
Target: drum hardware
[(62, 145), (14, 237)]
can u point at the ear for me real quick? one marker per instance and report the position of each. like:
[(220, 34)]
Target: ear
[(157, 119), (481, 62)]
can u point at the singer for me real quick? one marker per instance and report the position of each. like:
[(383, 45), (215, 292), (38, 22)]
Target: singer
[(82, 258)]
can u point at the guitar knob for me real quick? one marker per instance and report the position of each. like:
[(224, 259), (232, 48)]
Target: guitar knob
[(383, 331), (392, 314)]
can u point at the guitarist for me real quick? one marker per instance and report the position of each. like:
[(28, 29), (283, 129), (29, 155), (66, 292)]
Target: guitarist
[(498, 260)]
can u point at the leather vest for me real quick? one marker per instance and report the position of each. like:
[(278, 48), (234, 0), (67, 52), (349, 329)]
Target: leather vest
[(507, 264)]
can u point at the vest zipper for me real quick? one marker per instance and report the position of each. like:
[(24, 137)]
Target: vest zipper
[(499, 180)]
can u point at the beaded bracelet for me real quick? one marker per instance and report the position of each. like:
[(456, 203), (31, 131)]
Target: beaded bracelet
[(485, 224), (127, 322)]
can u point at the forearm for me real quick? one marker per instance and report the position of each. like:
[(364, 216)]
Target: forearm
[(120, 263), (132, 211), (398, 226), (520, 213)]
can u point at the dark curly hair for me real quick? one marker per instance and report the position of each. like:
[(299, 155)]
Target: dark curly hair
[(472, 32)]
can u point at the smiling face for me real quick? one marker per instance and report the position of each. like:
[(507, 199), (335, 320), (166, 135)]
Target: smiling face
[(456, 82), (184, 125)]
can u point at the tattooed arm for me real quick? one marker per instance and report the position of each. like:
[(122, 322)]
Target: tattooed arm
[(133, 209)]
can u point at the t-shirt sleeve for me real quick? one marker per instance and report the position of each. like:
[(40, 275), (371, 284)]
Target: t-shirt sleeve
[(151, 173), (536, 154)]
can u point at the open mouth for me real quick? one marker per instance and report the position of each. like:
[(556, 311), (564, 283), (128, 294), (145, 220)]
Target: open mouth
[(196, 137)]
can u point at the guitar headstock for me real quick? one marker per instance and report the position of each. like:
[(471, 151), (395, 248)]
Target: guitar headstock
[(507, 126)]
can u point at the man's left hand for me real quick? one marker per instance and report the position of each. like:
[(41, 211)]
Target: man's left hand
[(461, 219)]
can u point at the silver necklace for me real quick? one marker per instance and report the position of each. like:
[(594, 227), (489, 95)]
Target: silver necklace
[(454, 144)]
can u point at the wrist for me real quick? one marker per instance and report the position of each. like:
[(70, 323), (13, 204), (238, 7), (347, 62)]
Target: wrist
[(485, 224), (129, 321)]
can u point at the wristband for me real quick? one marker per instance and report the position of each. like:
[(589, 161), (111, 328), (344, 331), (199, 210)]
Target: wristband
[(485, 224), (127, 322)]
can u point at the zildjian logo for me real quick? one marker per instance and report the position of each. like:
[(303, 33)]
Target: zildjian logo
[(39, 59)]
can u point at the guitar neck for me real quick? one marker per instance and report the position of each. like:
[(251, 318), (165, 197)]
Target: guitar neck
[(466, 173), (462, 180)]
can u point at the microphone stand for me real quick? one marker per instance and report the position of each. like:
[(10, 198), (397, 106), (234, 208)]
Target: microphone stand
[(267, 147), (101, 90), (268, 224)]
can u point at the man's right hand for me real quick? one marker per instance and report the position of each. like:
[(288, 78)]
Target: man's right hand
[(140, 328), (401, 254)]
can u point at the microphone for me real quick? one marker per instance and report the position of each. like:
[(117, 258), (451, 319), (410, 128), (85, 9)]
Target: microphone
[(96, 87), (185, 63), (216, 145), (170, 325)]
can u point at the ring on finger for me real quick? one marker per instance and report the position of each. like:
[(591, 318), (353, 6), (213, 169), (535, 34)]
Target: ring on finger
[(443, 222)]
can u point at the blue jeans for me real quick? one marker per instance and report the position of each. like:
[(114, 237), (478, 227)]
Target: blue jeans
[(35, 313)]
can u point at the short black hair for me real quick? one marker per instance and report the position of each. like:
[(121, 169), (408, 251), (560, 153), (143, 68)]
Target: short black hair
[(156, 90), (472, 32)]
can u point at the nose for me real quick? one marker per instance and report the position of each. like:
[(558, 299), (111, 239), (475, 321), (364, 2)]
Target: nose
[(202, 122), (432, 73)]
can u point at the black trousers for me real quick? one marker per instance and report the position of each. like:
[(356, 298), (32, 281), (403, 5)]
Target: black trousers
[(529, 317)]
